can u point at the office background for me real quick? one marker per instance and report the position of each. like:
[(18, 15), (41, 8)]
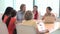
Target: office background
[(42, 4)]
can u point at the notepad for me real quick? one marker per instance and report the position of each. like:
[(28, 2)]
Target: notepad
[(41, 26)]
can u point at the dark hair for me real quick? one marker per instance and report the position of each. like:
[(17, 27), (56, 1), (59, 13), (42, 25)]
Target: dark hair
[(13, 14), (28, 15), (49, 8), (7, 11), (35, 6), (22, 5)]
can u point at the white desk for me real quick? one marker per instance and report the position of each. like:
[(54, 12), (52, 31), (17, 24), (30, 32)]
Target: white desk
[(50, 27)]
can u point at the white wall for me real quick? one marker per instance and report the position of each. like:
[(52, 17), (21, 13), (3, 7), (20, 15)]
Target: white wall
[(4, 4), (42, 4), (29, 4)]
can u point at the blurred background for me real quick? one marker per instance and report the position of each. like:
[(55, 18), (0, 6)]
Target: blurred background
[(42, 4)]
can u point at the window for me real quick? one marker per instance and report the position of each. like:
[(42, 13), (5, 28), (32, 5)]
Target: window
[(4, 4), (29, 4), (42, 4)]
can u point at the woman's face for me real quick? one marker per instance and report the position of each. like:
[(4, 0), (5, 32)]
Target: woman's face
[(34, 9), (24, 8), (47, 10)]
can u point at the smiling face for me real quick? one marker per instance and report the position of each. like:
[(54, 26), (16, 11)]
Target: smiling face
[(24, 8), (35, 9), (47, 10)]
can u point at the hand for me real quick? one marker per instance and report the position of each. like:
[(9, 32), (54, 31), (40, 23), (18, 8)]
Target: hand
[(46, 31)]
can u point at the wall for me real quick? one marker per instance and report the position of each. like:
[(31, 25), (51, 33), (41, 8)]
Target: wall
[(42, 4), (59, 8), (4, 4)]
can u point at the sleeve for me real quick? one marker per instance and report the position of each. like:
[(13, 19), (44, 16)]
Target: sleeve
[(5, 18), (53, 15)]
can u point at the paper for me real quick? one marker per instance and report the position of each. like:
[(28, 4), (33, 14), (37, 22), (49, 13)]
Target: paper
[(41, 26)]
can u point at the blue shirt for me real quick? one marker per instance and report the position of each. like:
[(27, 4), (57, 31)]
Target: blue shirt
[(20, 16)]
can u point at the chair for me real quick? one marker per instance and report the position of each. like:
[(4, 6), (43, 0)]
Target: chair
[(23, 29), (3, 28)]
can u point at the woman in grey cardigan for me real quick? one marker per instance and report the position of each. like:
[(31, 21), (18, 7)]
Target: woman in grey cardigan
[(20, 13)]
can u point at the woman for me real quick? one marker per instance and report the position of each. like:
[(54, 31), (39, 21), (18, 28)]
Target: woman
[(48, 13), (7, 12), (9, 18), (35, 12), (20, 13), (29, 21), (52, 25)]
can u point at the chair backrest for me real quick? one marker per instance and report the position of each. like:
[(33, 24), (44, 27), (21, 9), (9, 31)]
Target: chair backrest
[(23, 29), (49, 19), (3, 28)]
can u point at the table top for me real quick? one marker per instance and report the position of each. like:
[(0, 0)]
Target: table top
[(51, 27)]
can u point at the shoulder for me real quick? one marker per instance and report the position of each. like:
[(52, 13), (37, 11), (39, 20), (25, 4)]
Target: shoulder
[(13, 18), (52, 14), (33, 20), (45, 14), (18, 11), (5, 17)]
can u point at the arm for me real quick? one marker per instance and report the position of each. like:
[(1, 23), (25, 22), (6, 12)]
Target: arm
[(53, 16), (43, 17)]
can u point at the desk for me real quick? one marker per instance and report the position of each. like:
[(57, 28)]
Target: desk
[(51, 27)]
